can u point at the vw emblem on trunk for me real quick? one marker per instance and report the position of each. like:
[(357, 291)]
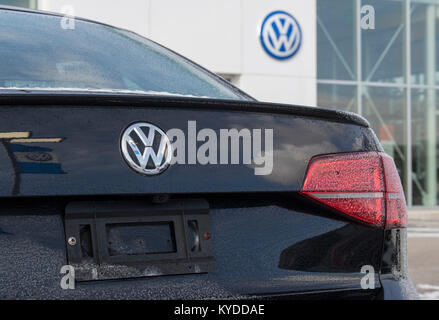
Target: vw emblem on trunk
[(146, 148), (281, 36)]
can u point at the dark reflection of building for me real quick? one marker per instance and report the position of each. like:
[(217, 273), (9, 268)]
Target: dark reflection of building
[(346, 249), (28, 157)]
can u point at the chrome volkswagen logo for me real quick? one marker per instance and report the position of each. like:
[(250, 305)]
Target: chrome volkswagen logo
[(146, 148), (281, 36)]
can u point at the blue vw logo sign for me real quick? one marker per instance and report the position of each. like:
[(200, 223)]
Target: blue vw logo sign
[(281, 35)]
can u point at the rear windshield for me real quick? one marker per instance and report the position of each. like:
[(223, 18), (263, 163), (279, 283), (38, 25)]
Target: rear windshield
[(37, 53)]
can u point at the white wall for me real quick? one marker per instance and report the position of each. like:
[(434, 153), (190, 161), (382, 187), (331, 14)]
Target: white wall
[(221, 35), (127, 14), (291, 81)]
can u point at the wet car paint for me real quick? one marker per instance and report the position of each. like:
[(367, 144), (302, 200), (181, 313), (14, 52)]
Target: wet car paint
[(249, 245), (90, 161), (272, 243)]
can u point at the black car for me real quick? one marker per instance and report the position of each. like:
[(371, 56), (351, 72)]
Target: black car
[(129, 172)]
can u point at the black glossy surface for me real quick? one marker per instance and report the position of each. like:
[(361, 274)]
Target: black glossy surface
[(247, 242), (267, 241), (345, 249), (261, 249), (91, 163), (394, 261)]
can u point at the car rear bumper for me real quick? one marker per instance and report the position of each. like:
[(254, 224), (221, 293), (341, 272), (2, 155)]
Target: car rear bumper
[(391, 289), (398, 289)]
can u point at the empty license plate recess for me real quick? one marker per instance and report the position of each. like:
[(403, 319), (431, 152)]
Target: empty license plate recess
[(118, 239)]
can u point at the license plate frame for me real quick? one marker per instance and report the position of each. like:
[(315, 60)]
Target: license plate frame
[(189, 218)]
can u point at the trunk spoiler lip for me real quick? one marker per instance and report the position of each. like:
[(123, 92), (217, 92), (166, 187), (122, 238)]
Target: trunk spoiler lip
[(140, 100)]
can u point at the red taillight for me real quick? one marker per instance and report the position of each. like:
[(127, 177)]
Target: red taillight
[(363, 185)]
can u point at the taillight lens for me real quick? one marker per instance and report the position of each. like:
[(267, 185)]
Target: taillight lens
[(362, 185)]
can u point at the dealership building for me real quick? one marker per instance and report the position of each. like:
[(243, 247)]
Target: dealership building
[(378, 58)]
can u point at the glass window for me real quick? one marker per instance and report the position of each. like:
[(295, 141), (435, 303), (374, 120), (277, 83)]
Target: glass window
[(425, 42), (383, 49), (37, 53), (337, 96), (425, 137), (385, 108), (32, 4), (336, 39), (384, 63)]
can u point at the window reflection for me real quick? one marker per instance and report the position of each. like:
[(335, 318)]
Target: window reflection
[(32, 4), (384, 58), (336, 39), (343, 97), (425, 108), (385, 108), (383, 48), (425, 42)]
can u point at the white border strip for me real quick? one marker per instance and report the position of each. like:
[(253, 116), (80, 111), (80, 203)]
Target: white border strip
[(348, 195)]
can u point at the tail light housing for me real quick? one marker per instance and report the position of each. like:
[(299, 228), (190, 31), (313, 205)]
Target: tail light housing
[(362, 185)]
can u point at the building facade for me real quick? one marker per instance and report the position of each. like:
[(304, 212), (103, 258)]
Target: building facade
[(378, 58)]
